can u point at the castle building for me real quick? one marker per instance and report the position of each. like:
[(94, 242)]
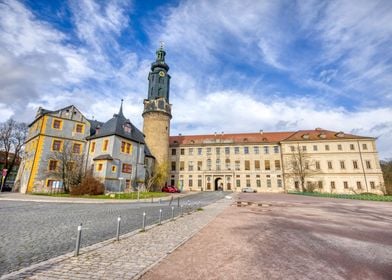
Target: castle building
[(321, 160), (121, 156)]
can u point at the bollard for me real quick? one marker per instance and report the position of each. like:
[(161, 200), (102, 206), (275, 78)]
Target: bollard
[(172, 213), (178, 201), (160, 217), (78, 239), (144, 222), (152, 199), (118, 228), (199, 205), (182, 213), (160, 201)]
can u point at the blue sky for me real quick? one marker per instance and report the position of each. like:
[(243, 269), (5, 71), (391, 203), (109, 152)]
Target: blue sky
[(236, 66)]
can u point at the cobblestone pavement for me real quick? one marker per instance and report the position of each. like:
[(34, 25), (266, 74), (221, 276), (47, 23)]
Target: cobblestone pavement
[(287, 237), (128, 258), (32, 232)]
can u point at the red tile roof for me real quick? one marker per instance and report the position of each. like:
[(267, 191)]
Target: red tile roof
[(266, 137)]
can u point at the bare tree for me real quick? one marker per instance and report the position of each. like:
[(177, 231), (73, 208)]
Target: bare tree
[(12, 137), (158, 177), (386, 167), (301, 167), (67, 165)]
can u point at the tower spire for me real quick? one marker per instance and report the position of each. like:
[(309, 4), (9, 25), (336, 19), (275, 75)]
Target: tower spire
[(121, 109)]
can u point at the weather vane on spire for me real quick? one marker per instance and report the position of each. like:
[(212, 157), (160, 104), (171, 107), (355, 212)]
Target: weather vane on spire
[(162, 44)]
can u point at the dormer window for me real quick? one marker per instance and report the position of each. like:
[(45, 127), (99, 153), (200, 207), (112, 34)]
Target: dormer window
[(322, 135), (127, 128), (175, 142), (305, 136), (245, 139), (340, 134), (192, 141)]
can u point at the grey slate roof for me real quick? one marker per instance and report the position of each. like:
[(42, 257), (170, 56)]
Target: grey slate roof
[(147, 152), (103, 157), (115, 126)]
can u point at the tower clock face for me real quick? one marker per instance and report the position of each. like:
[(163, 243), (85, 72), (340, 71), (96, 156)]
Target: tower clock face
[(161, 73)]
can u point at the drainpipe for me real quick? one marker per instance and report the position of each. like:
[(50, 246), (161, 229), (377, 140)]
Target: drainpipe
[(363, 168)]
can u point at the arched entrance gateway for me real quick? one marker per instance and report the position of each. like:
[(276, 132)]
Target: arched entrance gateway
[(219, 184)]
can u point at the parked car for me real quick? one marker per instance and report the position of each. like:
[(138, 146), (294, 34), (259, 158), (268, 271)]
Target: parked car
[(169, 189), (248, 189), (176, 189)]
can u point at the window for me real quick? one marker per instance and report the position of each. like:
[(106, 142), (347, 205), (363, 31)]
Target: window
[(372, 185), (199, 165), (126, 168), (257, 165), (182, 164), (199, 151), (125, 147), (190, 183), (359, 185), (217, 150), (238, 183), (329, 164), (227, 150), (199, 183), (190, 151), (173, 152), (266, 150), (364, 146), (237, 165), (279, 183), (268, 183), (317, 165), (292, 148), (276, 149), (304, 148), (236, 150), (52, 165), (79, 128), (57, 124), (114, 168), (315, 148), (345, 184), (128, 183), (256, 150), (56, 145), (246, 150), (352, 148), (217, 162), (54, 184), (92, 148), (267, 165), (258, 183), (99, 167), (368, 165), (296, 184), (182, 152), (327, 147), (105, 145), (227, 163), (173, 166), (320, 184), (76, 148), (342, 165), (306, 164), (208, 164), (190, 166), (248, 182), (332, 184), (247, 165), (277, 164), (355, 164), (339, 147)]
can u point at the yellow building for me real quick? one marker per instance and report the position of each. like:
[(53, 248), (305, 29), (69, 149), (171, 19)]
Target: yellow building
[(265, 161)]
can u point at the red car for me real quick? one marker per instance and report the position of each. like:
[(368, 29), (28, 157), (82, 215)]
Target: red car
[(169, 189), (175, 188)]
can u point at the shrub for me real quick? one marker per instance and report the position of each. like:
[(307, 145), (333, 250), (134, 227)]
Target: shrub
[(89, 185)]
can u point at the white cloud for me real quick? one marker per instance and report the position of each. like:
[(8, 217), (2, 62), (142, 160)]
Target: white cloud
[(234, 112)]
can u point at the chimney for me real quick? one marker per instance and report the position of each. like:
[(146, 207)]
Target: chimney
[(261, 131)]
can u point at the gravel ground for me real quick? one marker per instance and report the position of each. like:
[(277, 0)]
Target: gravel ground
[(31, 232), (294, 238)]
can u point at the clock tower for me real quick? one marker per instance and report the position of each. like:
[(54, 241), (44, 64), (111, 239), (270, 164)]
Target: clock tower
[(157, 110)]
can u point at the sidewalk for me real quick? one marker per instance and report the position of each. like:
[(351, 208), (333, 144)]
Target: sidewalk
[(131, 257), (12, 196)]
